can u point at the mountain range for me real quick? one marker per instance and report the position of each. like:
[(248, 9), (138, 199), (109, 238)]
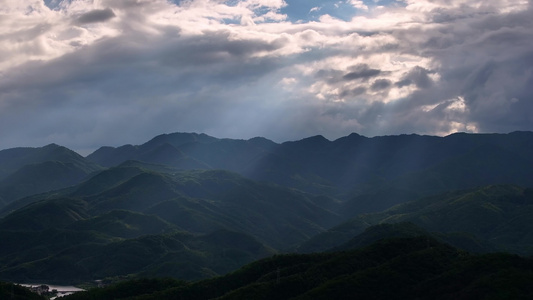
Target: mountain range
[(192, 206)]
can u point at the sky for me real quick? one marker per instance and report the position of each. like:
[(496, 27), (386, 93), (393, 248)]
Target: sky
[(89, 73)]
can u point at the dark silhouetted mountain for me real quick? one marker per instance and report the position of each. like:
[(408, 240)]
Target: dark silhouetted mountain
[(479, 166), (38, 178), (354, 168), (13, 159), (28, 171), (228, 154), (163, 149), (110, 156), (491, 217), (399, 268), (178, 139), (168, 155), (382, 231), (375, 233), (107, 179)]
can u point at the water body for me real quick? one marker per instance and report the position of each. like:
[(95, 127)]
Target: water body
[(62, 290)]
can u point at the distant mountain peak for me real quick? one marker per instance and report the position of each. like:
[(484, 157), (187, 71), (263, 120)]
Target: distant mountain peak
[(53, 145), (354, 134), (318, 137), (310, 141)]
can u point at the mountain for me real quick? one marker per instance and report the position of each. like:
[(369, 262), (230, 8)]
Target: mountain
[(56, 213), (192, 206), (497, 216), (176, 254), (29, 171), (154, 220), (76, 239), (382, 231), (353, 168), (398, 268), (163, 149), (111, 242), (202, 201), (123, 224), (13, 159)]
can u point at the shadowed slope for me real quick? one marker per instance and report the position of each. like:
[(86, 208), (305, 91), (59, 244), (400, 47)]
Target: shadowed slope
[(405, 268), (498, 215)]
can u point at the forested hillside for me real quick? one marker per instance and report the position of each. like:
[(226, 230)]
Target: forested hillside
[(405, 268), (190, 206)]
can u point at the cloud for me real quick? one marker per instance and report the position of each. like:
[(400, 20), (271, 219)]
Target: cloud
[(380, 84), (95, 16), (418, 76), (361, 71), (89, 73), (358, 4)]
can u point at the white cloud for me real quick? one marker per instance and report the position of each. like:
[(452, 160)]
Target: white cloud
[(150, 66), (358, 4)]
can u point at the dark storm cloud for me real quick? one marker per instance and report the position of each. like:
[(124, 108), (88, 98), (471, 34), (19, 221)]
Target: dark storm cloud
[(362, 71), (353, 92), (493, 72), (499, 94), (432, 67), (95, 16), (214, 47), (417, 76), (481, 80), (380, 84), (185, 83)]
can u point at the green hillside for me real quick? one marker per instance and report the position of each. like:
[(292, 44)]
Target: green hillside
[(191, 206), (497, 215), (178, 255), (132, 221), (408, 268), (56, 213), (28, 171), (124, 224)]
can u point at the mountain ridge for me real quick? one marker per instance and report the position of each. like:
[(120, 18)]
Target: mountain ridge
[(173, 201), (342, 166)]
